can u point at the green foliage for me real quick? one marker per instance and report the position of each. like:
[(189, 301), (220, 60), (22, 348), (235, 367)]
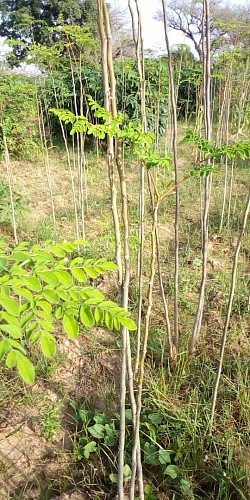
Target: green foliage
[(153, 428), (39, 286), (51, 423), (233, 151), (190, 79), (156, 82), (127, 79), (128, 132), (104, 430), (95, 425), (18, 115), (5, 206), (28, 21)]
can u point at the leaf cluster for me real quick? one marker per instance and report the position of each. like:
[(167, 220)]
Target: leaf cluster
[(41, 286), (18, 115), (233, 151), (131, 134)]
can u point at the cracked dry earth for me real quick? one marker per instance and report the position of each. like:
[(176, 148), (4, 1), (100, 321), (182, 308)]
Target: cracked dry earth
[(29, 464)]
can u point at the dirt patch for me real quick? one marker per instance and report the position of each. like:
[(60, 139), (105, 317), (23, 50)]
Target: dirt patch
[(27, 458), (73, 495), (30, 181)]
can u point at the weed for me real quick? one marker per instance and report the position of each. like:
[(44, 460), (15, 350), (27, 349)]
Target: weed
[(2, 467), (45, 230), (51, 423)]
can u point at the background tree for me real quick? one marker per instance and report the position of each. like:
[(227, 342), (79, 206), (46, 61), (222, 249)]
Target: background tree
[(26, 22), (29, 21), (228, 23)]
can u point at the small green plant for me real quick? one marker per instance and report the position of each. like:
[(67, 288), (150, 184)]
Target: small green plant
[(5, 205), (98, 433), (155, 455), (42, 285), (51, 423), (130, 133), (94, 425)]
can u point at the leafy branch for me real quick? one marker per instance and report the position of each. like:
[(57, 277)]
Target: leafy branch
[(41, 285), (119, 127), (237, 149)]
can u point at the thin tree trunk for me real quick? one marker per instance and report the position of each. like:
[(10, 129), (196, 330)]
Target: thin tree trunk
[(240, 117), (226, 98), (229, 310), (177, 192), (165, 305), (45, 156), (230, 193), (79, 140), (136, 444), (138, 40), (9, 175), (207, 106), (110, 140), (243, 97), (115, 156), (69, 164)]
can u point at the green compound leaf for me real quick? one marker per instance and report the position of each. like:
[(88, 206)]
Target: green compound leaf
[(45, 306), (4, 347), (109, 266), (9, 318), (64, 277), (109, 321), (23, 292), (99, 316), (32, 283), (11, 358), (17, 345), (58, 252), (49, 277), (50, 295), (91, 272)]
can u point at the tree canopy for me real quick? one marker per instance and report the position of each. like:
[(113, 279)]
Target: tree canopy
[(28, 21)]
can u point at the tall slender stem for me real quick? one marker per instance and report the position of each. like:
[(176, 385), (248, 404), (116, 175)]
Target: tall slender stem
[(207, 107), (177, 191), (9, 175), (229, 310)]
